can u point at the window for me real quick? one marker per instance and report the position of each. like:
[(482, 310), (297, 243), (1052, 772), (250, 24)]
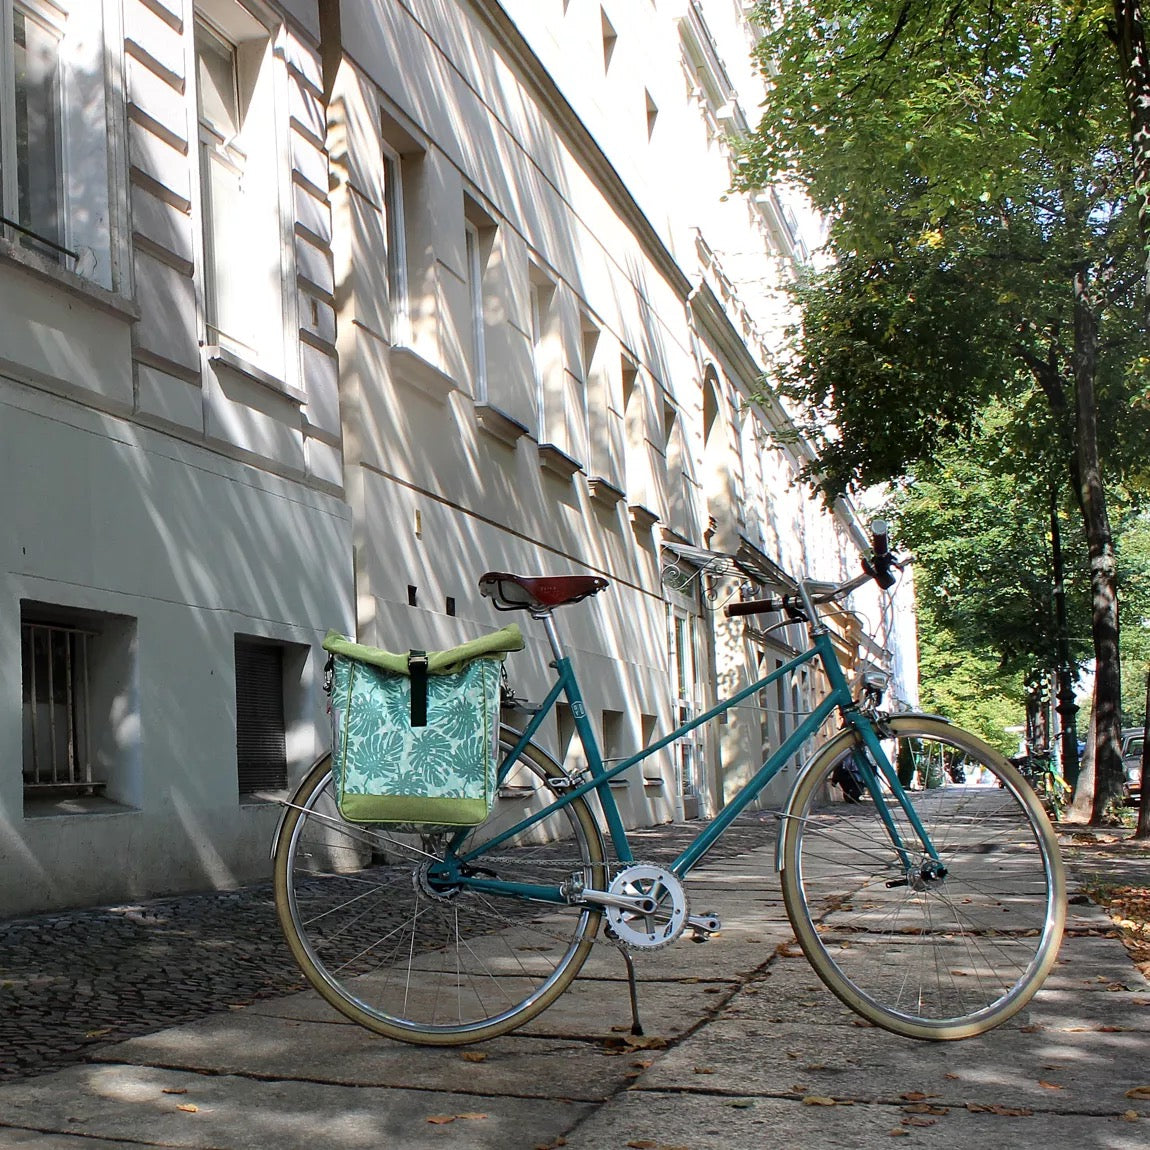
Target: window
[(610, 39), (546, 358), (397, 287), (239, 181), (78, 706), (261, 735), (474, 257), (652, 114), (54, 172), (57, 741)]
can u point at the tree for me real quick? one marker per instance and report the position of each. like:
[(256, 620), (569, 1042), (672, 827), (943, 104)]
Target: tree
[(990, 630), (975, 162)]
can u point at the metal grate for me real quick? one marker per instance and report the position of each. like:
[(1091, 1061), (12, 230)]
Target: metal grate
[(261, 746), (57, 724)]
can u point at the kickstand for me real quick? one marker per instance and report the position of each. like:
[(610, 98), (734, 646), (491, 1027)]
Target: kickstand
[(632, 986)]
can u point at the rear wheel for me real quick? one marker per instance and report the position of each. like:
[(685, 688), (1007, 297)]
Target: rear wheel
[(927, 948), (411, 957)]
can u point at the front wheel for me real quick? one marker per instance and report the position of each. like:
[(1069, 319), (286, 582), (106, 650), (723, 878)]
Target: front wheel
[(935, 948), (408, 956)]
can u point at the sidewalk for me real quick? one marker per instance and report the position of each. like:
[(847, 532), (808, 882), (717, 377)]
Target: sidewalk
[(743, 1048)]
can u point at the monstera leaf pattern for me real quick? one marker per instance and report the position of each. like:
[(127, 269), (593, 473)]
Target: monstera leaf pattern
[(379, 753)]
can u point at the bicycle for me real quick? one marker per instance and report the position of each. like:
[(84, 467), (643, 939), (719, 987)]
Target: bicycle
[(933, 912)]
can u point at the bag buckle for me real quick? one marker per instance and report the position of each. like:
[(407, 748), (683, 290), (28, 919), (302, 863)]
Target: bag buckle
[(417, 669)]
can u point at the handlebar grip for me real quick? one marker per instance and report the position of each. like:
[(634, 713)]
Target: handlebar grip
[(880, 534), (882, 562), (754, 607)]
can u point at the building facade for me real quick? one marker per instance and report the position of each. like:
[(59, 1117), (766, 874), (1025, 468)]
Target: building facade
[(313, 312)]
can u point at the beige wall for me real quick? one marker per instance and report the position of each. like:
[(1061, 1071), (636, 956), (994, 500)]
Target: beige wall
[(185, 489)]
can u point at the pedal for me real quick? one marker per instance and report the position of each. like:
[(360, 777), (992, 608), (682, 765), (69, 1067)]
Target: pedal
[(704, 925)]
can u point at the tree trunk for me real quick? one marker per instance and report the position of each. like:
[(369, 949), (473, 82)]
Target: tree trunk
[(1107, 717), (1081, 808), (1129, 34)]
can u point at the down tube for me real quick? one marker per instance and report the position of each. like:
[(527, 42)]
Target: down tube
[(749, 792)]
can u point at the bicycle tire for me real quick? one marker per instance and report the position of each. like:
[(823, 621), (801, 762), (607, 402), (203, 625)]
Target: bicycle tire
[(426, 966), (925, 956)]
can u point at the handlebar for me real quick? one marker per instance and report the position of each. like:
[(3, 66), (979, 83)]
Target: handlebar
[(881, 567)]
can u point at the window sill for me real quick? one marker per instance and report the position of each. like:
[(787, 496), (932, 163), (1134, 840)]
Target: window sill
[(557, 461), (224, 357), (73, 807), (410, 367), (499, 425), (120, 306), (654, 782), (603, 491)]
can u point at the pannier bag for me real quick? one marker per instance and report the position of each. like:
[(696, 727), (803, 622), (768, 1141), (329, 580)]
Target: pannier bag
[(415, 735)]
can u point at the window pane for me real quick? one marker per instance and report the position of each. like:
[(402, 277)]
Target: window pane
[(261, 749), (37, 72), (216, 80), (396, 246)]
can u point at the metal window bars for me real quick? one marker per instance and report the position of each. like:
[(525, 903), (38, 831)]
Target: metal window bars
[(57, 755)]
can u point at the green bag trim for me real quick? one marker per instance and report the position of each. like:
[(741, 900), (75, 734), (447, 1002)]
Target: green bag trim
[(413, 809), (447, 662)]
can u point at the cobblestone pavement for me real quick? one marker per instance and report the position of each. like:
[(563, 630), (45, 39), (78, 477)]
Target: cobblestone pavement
[(72, 981)]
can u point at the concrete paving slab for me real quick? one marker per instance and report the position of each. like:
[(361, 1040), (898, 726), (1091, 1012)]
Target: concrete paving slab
[(10, 1139), (1092, 961), (588, 1009), (154, 1107), (706, 1122), (1064, 1072), (277, 1048)]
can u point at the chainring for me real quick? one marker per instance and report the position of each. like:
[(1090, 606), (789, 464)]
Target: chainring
[(660, 927)]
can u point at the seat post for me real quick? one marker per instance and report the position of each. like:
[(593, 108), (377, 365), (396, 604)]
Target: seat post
[(548, 621)]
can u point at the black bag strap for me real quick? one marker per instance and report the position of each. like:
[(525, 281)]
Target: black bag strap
[(417, 668)]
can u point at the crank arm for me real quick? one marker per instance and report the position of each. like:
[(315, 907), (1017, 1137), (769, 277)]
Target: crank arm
[(623, 902)]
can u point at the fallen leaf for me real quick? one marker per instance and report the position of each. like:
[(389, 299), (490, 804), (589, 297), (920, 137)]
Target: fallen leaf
[(1049, 1085), (741, 1103), (175, 1090), (952, 1077), (704, 1070), (1141, 1093), (915, 1121), (818, 1100), (643, 1144), (899, 1132), (441, 1119), (188, 1107), (473, 1056), (1131, 1115), (925, 1108)]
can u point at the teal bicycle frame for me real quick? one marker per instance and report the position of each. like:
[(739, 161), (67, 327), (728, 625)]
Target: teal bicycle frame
[(464, 869)]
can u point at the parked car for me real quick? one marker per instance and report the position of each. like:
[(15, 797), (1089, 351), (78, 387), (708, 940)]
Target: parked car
[(1132, 762)]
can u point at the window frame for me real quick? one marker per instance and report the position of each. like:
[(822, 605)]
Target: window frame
[(263, 350), (268, 776), (88, 239), (395, 225)]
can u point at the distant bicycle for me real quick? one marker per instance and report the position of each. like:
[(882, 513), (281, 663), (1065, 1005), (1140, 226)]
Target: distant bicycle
[(933, 907)]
